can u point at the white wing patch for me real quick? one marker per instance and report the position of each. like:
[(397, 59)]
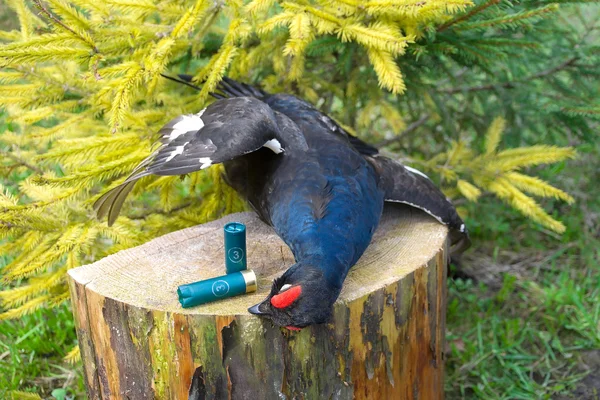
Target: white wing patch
[(188, 123), (462, 228), (416, 171), (178, 150), (205, 161), (274, 146)]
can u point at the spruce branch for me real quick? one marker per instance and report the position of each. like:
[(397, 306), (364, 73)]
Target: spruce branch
[(512, 84), (173, 210), (522, 18), (414, 125), (43, 54), (565, 64), (20, 161), (73, 356), (496, 172), (53, 17), (334, 49), (189, 19), (388, 72), (471, 13), (208, 23), (31, 72)]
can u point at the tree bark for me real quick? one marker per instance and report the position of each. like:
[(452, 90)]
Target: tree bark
[(385, 341)]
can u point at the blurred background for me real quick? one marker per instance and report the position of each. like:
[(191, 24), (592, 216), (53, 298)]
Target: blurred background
[(498, 101)]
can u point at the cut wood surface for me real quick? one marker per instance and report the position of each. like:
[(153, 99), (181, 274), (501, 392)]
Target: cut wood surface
[(385, 340)]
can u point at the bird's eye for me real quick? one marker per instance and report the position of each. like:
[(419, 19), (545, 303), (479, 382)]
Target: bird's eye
[(284, 288)]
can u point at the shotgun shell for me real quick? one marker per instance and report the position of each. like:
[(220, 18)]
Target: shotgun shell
[(218, 288), (235, 247)]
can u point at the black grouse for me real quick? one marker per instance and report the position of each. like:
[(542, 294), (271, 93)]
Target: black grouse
[(320, 188)]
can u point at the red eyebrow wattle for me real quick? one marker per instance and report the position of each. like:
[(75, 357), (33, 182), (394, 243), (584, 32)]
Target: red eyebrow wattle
[(286, 298)]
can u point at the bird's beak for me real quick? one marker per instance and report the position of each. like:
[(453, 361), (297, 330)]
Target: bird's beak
[(256, 309)]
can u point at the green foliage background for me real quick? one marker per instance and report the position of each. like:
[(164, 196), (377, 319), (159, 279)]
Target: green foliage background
[(492, 88)]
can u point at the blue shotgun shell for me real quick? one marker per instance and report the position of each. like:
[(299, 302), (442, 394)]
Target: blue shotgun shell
[(221, 287), (235, 247)]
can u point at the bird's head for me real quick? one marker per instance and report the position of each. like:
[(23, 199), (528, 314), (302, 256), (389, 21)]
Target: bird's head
[(300, 297)]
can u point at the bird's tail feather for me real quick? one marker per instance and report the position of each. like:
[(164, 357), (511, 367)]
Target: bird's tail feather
[(460, 242), (226, 88), (111, 202), (185, 80), (233, 88)]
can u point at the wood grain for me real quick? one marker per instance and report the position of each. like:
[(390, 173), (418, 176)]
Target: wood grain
[(386, 339)]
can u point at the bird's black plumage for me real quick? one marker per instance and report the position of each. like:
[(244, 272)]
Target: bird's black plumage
[(320, 188)]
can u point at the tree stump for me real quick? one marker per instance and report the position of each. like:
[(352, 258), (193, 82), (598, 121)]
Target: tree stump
[(385, 341)]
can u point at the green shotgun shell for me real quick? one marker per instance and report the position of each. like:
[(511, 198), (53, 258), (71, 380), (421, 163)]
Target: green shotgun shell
[(235, 247), (218, 288)]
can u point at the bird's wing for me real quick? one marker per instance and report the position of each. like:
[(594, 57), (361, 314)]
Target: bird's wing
[(229, 88), (226, 129), (362, 147), (232, 88), (226, 88), (407, 185)]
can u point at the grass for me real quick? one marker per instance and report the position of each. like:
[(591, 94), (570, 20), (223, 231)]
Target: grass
[(530, 327), (32, 348), (32, 351)]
